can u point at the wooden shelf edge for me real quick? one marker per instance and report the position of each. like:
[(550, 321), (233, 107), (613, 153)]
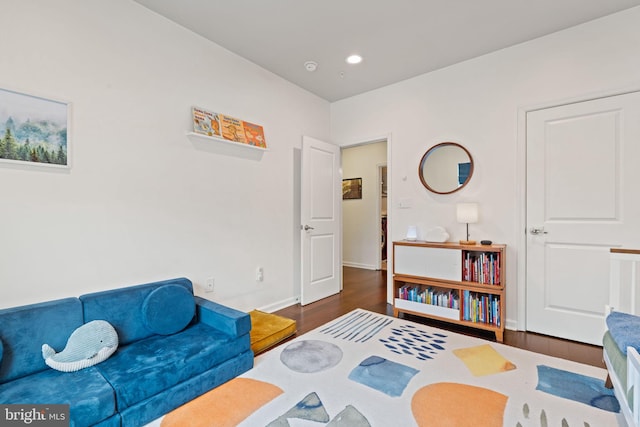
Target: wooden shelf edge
[(624, 251), (480, 325), (442, 283), (453, 245), (498, 330)]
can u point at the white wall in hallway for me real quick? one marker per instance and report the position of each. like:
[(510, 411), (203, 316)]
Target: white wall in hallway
[(360, 221)]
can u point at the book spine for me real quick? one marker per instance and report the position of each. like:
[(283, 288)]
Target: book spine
[(483, 267)]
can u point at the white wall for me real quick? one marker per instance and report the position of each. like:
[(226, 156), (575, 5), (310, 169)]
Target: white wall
[(476, 103), (360, 217), (141, 202)]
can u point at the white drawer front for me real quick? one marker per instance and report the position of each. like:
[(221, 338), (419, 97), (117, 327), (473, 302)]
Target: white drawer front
[(436, 263)]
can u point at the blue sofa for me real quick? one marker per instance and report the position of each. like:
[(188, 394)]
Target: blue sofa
[(173, 347)]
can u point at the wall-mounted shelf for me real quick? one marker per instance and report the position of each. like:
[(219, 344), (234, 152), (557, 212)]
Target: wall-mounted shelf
[(224, 146)]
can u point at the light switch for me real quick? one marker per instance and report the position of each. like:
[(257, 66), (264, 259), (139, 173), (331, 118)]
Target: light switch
[(405, 203)]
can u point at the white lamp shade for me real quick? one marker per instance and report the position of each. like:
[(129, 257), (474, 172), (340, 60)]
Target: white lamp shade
[(467, 212)]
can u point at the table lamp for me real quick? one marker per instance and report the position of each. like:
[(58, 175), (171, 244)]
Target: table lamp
[(467, 213)]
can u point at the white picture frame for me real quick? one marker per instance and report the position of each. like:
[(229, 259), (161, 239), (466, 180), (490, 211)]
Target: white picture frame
[(34, 131)]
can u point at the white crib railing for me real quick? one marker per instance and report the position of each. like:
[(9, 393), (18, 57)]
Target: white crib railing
[(624, 279), (633, 379), (623, 292)]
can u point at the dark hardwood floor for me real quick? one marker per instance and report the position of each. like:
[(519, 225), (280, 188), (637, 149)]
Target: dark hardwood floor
[(367, 289)]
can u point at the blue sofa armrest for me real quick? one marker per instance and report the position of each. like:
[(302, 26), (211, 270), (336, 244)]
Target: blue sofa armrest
[(228, 320)]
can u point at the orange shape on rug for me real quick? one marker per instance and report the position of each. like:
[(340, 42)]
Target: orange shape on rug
[(460, 405), (483, 360), (226, 405)]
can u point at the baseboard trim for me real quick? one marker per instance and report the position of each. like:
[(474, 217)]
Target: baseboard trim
[(279, 305), (358, 265)]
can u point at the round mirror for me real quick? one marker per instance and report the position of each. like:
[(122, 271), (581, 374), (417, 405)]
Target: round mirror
[(445, 168)]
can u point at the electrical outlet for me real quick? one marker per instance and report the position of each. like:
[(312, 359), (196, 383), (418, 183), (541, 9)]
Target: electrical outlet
[(259, 274), (208, 287)]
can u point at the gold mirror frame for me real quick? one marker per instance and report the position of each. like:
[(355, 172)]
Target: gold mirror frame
[(440, 166)]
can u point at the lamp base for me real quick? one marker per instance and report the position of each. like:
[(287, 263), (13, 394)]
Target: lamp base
[(467, 242)]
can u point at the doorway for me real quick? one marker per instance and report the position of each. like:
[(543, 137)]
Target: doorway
[(364, 213), (384, 235)]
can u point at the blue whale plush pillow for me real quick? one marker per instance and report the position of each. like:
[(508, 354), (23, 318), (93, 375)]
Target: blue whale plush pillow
[(88, 345)]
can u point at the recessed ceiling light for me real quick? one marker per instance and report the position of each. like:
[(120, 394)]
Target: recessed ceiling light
[(354, 59), (311, 66)]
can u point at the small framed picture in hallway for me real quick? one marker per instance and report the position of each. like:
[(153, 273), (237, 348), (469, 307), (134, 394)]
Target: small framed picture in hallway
[(352, 188)]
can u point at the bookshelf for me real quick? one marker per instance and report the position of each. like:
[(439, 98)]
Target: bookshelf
[(462, 284)]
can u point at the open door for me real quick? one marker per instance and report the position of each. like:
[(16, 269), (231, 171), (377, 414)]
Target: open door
[(320, 212)]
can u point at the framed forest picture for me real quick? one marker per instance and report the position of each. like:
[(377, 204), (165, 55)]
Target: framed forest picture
[(33, 130)]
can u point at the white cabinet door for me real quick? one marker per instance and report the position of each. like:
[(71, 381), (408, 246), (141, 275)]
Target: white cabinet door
[(435, 263)]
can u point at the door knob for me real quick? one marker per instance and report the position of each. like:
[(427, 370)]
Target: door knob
[(537, 230), (307, 228)]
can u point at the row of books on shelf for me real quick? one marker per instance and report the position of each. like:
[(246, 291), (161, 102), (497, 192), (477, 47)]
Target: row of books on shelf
[(483, 267), (481, 308), (227, 127), (444, 298)]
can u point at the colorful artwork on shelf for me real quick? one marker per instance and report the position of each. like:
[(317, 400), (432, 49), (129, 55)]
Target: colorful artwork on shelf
[(254, 134), (232, 129), (227, 127), (205, 122)]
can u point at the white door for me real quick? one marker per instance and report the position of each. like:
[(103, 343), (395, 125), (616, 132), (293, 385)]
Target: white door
[(583, 197), (320, 212)]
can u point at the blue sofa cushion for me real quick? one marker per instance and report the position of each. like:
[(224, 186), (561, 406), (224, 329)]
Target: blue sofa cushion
[(168, 309), (164, 402), (123, 308), (625, 330), (147, 367), (24, 329), (90, 396)]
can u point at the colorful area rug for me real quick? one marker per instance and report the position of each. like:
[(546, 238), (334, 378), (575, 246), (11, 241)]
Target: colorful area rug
[(367, 369)]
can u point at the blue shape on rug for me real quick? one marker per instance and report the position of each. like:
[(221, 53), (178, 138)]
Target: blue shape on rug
[(310, 408), (383, 375), (569, 385), (309, 356), (409, 340), (349, 417), (359, 326)]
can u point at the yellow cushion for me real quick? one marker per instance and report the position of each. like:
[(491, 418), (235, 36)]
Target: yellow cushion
[(268, 330)]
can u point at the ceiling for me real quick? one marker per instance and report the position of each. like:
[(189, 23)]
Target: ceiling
[(398, 39)]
